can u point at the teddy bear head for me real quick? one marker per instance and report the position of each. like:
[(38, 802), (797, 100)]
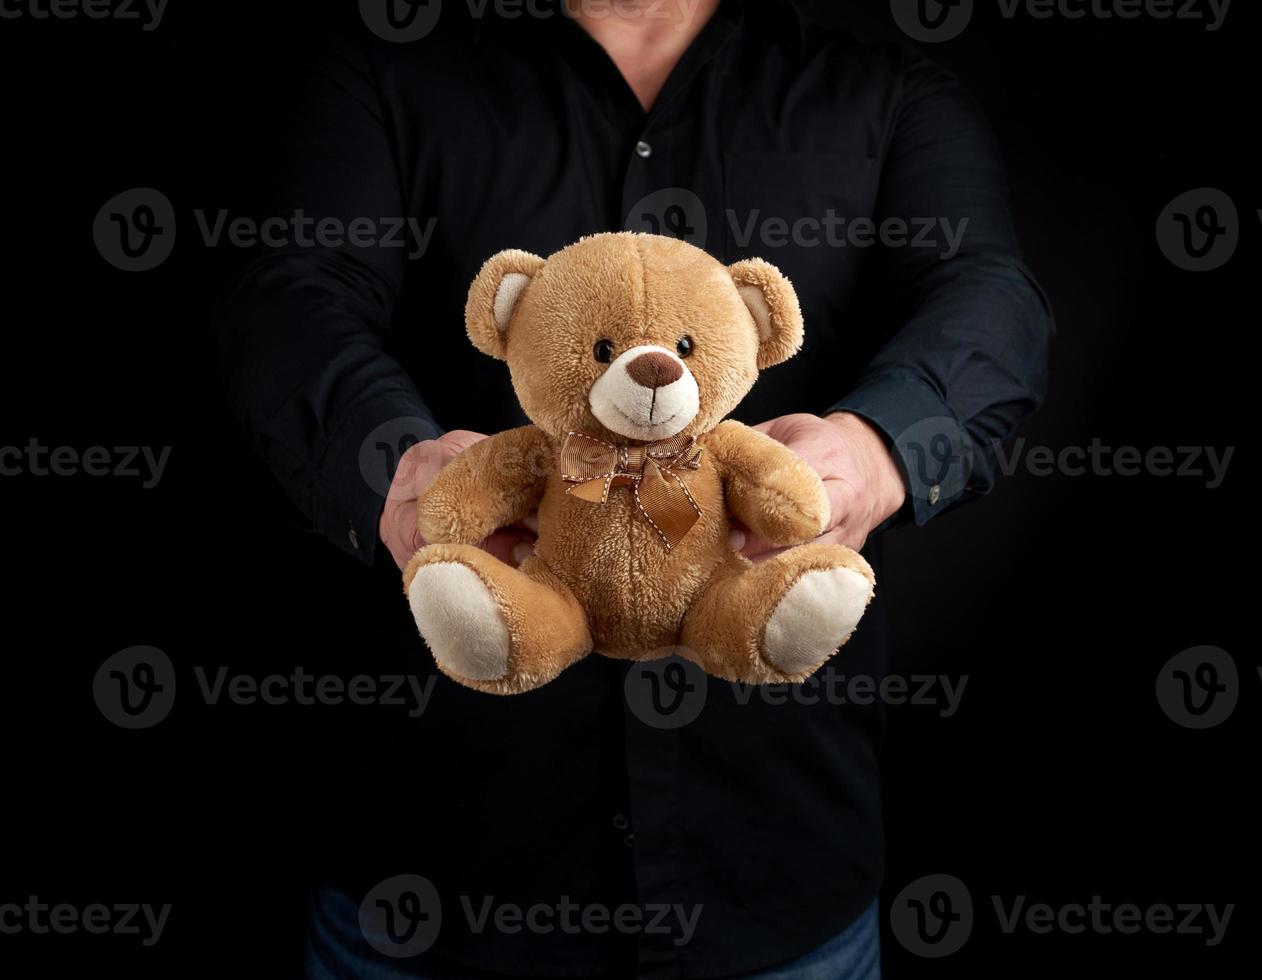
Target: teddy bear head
[(631, 337)]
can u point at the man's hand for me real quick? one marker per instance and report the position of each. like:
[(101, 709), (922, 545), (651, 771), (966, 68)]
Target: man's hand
[(417, 469), (863, 482)]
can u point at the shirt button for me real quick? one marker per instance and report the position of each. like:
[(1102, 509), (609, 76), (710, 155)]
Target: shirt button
[(935, 494), (643, 150), (353, 538), (620, 822), (629, 840)]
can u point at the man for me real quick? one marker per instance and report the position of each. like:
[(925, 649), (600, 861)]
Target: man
[(746, 838)]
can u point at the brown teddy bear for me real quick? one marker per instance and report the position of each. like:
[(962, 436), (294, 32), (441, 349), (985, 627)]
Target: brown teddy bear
[(627, 351)]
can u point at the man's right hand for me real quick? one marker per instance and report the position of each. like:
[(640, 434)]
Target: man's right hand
[(417, 469)]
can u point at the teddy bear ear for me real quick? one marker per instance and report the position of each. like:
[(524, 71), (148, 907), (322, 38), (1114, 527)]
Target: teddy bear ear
[(773, 304), (493, 297)]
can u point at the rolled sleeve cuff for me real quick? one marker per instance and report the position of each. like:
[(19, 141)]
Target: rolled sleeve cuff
[(931, 447), (358, 466)]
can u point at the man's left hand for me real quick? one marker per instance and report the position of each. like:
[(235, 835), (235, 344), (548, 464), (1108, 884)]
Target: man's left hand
[(863, 481)]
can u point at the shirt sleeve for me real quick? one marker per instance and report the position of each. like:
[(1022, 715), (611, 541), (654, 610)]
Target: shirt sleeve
[(968, 360), (303, 329)]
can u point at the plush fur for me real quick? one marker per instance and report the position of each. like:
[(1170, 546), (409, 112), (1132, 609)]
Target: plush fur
[(601, 577)]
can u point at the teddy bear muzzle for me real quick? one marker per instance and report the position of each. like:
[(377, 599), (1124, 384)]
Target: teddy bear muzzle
[(647, 392)]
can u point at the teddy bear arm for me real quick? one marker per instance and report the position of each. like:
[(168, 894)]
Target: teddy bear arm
[(772, 490), (495, 482)]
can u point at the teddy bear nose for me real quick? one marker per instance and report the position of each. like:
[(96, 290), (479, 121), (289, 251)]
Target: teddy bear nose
[(654, 370)]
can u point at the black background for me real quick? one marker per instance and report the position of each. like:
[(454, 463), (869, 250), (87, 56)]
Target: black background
[(1059, 597)]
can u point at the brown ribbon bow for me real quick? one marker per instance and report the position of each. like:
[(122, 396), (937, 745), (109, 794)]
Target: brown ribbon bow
[(593, 466)]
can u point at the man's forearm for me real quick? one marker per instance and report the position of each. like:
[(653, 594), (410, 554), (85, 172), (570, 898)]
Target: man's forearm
[(954, 383), (327, 409), (968, 361)]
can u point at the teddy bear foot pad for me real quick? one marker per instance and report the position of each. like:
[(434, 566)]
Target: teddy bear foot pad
[(492, 627), (777, 621), (815, 617)]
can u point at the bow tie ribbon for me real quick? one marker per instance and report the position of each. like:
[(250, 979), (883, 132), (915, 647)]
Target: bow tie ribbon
[(593, 466)]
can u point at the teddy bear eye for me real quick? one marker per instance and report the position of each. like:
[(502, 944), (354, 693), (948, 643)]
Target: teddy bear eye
[(684, 346), (602, 350)]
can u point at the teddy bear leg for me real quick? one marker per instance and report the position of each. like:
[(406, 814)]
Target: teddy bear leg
[(490, 626), (779, 620)]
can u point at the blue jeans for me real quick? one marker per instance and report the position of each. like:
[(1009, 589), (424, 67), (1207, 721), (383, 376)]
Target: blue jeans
[(337, 951)]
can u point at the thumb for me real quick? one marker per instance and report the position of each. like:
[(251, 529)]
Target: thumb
[(840, 501)]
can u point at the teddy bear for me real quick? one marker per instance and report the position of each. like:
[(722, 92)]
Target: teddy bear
[(627, 351)]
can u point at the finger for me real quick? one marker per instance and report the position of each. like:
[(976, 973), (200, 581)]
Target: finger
[(500, 544), (400, 554), (841, 499), (417, 464), (508, 546), (853, 537), (403, 544), (742, 539), (531, 522), (523, 543), (522, 550), (755, 544), (846, 534), (523, 531), (759, 550), (749, 544), (458, 440), (848, 522), (783, 428), (758, 557)]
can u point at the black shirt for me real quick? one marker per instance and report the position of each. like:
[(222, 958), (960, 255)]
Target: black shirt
[(870, 178)]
